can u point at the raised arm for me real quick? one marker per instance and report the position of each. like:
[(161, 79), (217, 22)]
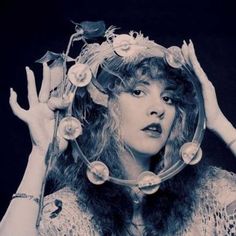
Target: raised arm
[(215, 119), (20, 217)]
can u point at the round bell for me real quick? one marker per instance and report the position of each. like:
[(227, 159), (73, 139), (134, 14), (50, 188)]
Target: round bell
[(69, 128), (174, 57), (148, 182), (97, 172), (80, 75), (191, 153), (124, 45)]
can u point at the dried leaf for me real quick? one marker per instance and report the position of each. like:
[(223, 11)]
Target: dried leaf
[(56, 66), (49, 56)]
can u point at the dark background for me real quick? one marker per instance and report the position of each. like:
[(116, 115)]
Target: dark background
[(29, 29)]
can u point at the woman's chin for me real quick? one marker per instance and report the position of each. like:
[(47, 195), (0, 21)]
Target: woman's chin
[(145, 153)]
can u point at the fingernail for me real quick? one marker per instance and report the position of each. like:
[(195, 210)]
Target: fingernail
[(45, 64), (27, 68), (184, 42), (190, 42), (12, 92)]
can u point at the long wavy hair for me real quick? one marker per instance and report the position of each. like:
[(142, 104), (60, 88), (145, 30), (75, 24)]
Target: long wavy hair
[(101, 141)]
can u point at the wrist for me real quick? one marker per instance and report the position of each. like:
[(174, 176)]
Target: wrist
[(36, 160), (215, 123), (38, 154), (225, 130), (34, 174)]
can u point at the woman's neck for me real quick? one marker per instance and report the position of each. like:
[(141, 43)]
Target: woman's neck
[(134, 164)]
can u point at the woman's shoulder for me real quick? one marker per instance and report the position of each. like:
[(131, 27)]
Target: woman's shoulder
[(64, 214), (216, 203), (219, 184)]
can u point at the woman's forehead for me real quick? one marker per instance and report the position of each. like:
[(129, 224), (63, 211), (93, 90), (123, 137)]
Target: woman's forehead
[(163, 82)]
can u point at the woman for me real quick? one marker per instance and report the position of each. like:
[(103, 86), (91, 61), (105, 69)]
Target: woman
[(137, 112)]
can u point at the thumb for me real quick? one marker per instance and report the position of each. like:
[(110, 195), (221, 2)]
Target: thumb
[(17, 110)]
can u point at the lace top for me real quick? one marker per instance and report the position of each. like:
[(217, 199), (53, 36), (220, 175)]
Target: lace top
[(215, 213)]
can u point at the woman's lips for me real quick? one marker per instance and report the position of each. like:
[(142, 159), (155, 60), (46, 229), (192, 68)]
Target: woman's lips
[(154, 130)]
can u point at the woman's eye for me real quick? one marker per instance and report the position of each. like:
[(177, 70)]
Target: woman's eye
[(168, 100), (137, 93)]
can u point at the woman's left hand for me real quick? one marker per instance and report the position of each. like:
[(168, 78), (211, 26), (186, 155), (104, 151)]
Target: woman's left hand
[(214, 115), (215, 119)]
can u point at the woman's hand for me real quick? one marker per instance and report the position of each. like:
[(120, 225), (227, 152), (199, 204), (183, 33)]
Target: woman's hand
[(40, 120), (39, 117), (215, 119), (214, 115)]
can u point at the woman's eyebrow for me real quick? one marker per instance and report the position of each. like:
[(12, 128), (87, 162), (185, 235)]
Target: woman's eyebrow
[(145, 82), (170, 88)]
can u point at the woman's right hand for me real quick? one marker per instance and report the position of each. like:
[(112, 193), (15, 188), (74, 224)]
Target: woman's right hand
[(40, 117)]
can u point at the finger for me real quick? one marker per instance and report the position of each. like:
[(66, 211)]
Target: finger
[(45, 87), (32, 91), (17, 110), (62, 143), (184, 50), (196, 65), (58, 103)]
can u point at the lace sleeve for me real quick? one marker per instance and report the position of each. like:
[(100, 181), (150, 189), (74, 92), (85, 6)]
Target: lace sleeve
[(224, 189), (62, 215), (216, 214)]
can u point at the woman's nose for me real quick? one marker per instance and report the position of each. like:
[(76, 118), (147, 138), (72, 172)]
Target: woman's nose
[(156, 110)]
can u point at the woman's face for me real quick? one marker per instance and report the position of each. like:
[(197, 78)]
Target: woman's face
[(147, 113)]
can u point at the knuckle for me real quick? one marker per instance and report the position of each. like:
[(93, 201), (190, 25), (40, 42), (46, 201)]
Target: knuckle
[(52, 103), (57, 103)]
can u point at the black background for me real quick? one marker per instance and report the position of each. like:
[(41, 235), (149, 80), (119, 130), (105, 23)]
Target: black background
[(29, 29)]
